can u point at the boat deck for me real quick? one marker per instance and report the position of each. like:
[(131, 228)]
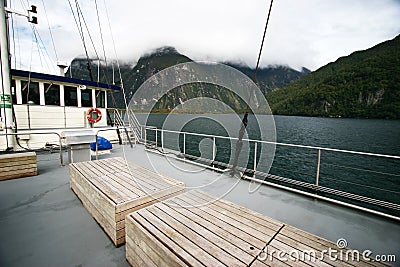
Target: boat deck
[(43, 223)]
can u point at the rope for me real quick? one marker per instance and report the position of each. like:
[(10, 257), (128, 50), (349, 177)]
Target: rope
[(239, 143), (101, 33), (116, 55), (51, 33), (79, 26)]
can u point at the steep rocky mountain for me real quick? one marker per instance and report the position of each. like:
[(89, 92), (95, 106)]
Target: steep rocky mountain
[(364, 84), (133, 76)]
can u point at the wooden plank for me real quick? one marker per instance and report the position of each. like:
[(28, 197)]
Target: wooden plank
[(241, 253), (95, 213), (129, 186), (234, 237), (14, 175), (18, 167), (179, 241), (97, 197), (18, 162), (231, 216), (109, 193), (155, 196), (144, 170), (152, 252), (221, 254), (229, 229), (121, 215), (161, 238), (136, 256), (17, 156), (105, 188), (256, 217), (226, 221)]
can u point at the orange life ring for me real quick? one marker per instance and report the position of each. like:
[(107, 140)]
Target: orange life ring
[(89, 115)]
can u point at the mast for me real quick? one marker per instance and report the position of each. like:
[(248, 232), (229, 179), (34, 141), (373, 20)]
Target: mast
[(5, 75), (5, 86)]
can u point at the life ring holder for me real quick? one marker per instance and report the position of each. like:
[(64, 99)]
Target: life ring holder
[(89, 115)]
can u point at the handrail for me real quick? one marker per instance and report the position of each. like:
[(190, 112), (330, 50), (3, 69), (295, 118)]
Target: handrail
[(285, 144), (104, 130), (32, 133), (307, 186)]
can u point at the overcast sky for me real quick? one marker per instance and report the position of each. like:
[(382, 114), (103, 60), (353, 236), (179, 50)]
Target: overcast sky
[(309, 33)]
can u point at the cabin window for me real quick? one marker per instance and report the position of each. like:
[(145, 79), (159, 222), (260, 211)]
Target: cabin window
[(86, 98), (13, 92), (30, 93), (52, 94), (100, 99), (70, 96)]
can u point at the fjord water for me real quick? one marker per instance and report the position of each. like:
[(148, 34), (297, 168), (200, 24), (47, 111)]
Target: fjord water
[(369, 176)]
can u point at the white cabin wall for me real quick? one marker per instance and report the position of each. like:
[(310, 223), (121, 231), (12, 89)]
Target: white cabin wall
[(94, 104), (41, 94), (18, 91), (62, 100)]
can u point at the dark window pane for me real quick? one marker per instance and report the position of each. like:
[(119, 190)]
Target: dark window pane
[(30, 93), (86, 98), (70, 96), (52, 94), (100, 99)]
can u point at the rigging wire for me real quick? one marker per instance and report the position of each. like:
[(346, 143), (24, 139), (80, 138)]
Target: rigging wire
[(239, 143), (116, 56), (93, 43), (36, 41), (101, 33), (13, 37), (42, 48), (79, 26), (51, 33)]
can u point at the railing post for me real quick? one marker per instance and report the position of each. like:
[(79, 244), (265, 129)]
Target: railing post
[(97, 148), (213, 151), (184, 146), (145, 136), (162, 140), (156, 137), (61, 155), (318, 169), (255, 159)]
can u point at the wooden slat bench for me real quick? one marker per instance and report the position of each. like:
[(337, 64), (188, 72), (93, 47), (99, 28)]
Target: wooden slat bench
[(18, 165), (110, 189), (196, 229)]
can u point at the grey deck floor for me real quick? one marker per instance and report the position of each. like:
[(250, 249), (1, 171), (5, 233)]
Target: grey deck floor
[(42, 222)]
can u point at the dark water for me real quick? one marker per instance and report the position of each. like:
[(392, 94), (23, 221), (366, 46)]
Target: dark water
[(368, 176)]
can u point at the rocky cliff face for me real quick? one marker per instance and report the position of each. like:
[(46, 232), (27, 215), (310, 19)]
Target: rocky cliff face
[(162, 58)]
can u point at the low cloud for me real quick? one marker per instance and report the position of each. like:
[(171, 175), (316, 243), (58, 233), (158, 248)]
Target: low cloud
[(308, 33)]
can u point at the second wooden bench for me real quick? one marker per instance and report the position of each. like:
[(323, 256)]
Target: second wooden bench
[(110, 189)]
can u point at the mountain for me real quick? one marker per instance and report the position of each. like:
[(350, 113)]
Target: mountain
[(365, 84), (268, 79)]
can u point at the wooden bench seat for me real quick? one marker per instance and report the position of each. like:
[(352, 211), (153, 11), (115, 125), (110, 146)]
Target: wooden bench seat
[(197, 229), (110, 189), (18, 165)]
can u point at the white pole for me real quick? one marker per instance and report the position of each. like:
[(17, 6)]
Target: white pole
[(5, 86)]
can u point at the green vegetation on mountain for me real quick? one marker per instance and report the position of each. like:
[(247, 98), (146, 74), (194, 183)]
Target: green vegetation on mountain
[(365, 84)]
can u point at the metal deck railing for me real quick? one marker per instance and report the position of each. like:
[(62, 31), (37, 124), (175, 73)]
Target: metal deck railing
[(362, 180)]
